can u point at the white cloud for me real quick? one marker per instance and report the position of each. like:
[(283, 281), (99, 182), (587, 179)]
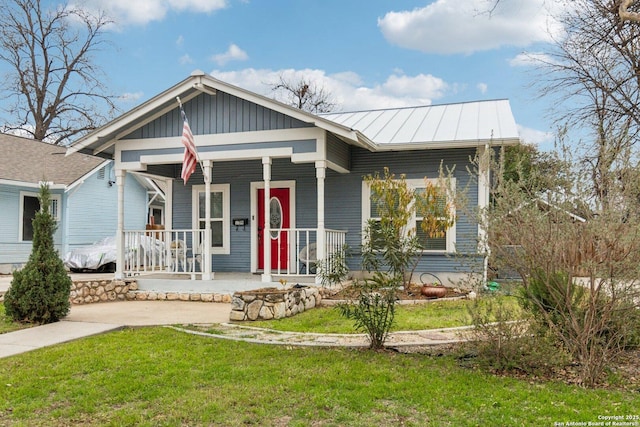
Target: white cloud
[(347, 89), (465, 26), (180, 40), (482, 87), (528, 59), (234, 53), (131, 97), (186, 59), (534, 136), (141, 12)]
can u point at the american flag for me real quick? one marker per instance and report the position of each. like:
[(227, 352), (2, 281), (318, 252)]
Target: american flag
[(190, 155)]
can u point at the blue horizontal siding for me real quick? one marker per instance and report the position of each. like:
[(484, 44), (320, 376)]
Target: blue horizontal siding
[(12, 250), (344, 206), (93, 209), (343, 200)]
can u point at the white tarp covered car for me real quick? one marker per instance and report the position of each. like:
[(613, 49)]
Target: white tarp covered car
[(101, 256)]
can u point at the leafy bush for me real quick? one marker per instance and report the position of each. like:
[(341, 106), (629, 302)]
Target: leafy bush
[(39, 293), (374, 310)]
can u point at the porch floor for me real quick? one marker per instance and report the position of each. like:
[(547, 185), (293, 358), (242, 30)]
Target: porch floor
[(222, 283)]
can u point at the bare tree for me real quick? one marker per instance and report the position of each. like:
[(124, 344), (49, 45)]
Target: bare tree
[(627, 10), (594, 71), (303, 94), (54, 87)]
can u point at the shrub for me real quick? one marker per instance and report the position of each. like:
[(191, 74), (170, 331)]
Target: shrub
[(504, 341), (334, 269), (374, 310), (39, 293)]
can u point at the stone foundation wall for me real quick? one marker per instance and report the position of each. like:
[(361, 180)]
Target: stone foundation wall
[(176, 296), (100, 291), (88, 292), (274, 303)]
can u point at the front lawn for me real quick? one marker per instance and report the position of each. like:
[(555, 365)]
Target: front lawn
[(6, 324), (162, 377), (432, 315)]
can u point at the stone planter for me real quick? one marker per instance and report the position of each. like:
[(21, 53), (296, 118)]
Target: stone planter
[(273, 303)]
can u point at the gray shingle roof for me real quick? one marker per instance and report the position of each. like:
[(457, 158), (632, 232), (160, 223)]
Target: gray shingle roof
[(28, 160)]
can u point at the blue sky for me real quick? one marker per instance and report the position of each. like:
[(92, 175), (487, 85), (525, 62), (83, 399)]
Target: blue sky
[(368, 53)]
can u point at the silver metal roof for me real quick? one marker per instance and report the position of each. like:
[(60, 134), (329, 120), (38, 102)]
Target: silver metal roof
[(468, 122)]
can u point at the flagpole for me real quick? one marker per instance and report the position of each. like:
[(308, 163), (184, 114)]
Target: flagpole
[(190, 147), (183, 115)]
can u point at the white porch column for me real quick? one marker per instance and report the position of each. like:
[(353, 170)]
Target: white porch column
[(484, 180), (120, 247), (266, 232), (321, 246), (207, 265)]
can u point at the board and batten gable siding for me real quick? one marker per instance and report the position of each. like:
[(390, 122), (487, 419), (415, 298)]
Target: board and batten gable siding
[(240, 175), (12, 250), (343, 205), (221, 113), (92, 209)]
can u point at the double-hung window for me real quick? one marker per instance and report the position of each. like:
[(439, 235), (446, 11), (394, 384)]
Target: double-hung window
[(218, 216), (444, 241)]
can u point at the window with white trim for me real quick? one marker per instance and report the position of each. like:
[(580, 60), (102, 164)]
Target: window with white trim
[(440, 243), (29, 206), (218, 216)]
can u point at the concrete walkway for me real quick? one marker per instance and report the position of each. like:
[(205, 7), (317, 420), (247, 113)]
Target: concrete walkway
[(270, 336), (92, 319)]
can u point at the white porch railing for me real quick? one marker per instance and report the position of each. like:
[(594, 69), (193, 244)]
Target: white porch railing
[(180, 251), (299, 245), (163, 251)]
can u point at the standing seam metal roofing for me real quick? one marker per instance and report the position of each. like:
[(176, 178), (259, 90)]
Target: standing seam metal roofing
[(468, 121)]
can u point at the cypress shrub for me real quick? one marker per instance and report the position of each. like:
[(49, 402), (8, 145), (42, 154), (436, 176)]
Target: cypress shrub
[(39, 293)]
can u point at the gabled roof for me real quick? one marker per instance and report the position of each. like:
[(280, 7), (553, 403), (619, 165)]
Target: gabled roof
[(102, 139), (29, 161), (433, 126), (454, 125)]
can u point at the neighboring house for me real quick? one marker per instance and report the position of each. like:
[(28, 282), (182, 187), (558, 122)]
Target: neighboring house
[(83, 198), (312, 165)]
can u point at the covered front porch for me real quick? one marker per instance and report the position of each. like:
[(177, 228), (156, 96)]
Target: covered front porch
[(256, 201), (253, 221), (161, 255)]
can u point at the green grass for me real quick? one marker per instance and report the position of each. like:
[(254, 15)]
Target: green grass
[(162, 377), (432, 315), (7, 325)]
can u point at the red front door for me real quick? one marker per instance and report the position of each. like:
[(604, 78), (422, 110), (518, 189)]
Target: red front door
[(279, 223)]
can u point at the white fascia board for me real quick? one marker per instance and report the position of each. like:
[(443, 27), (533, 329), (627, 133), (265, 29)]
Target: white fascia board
[(31, 184), (445, 144), (81, 180), (216, 156), (136, 114), (236, 138), (280, 107)]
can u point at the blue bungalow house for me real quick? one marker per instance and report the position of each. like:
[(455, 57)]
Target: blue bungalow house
[(277, 187), (83, 198)]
